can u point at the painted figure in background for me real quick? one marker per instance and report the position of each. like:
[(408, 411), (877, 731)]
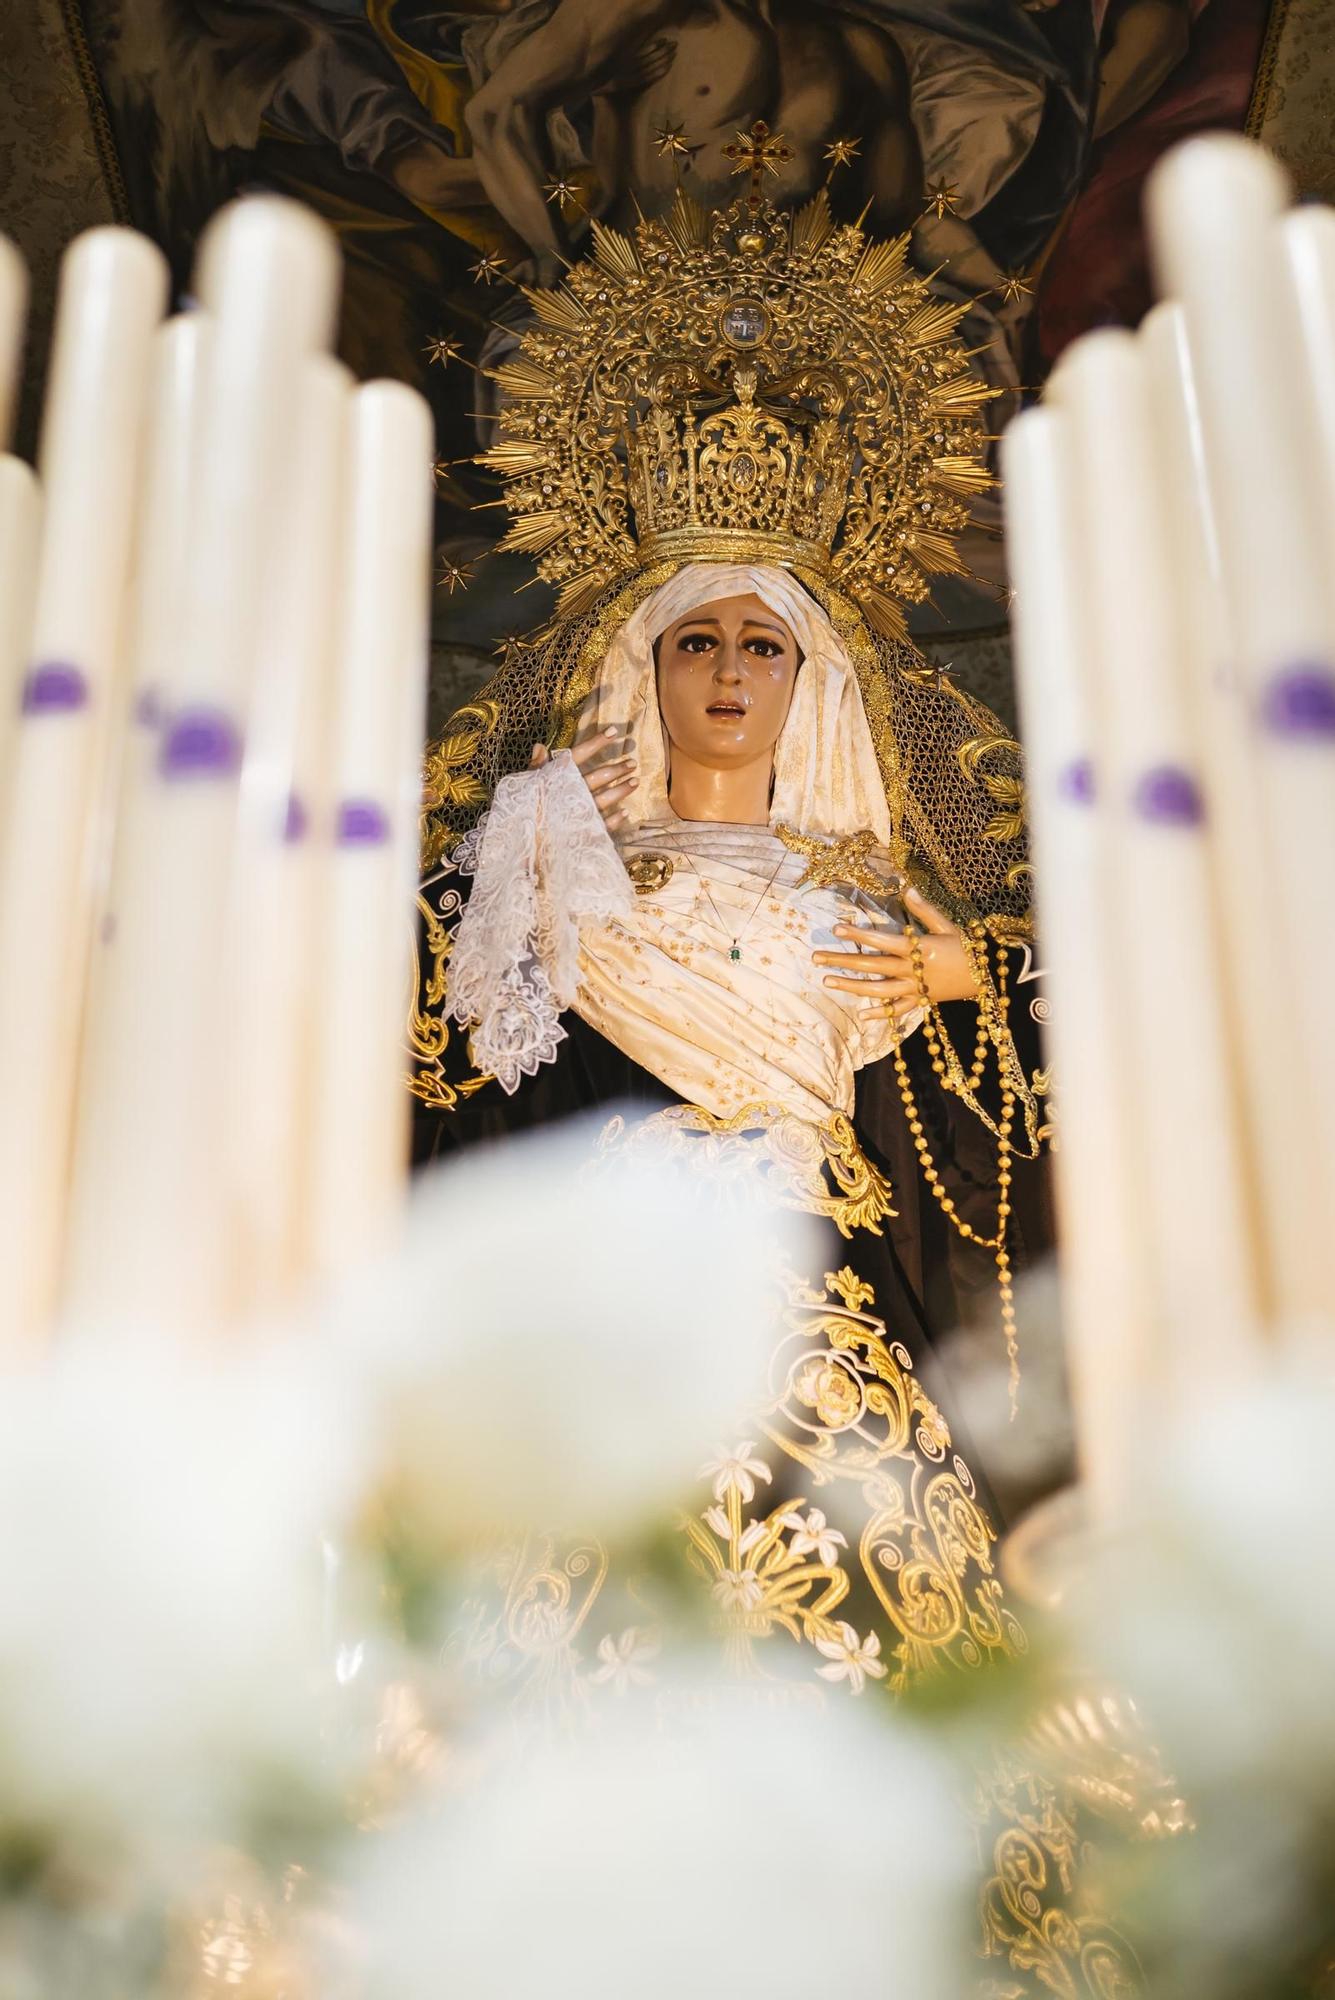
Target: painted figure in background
[(436, 136)]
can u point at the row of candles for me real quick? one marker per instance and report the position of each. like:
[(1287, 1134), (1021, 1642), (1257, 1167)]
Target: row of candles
[(214, 596), (1170, 512)]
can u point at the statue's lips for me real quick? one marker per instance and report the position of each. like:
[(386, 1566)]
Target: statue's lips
[(729, 710)]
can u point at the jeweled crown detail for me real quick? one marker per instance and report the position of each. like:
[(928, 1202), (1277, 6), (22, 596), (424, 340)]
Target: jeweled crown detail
[(745, 385)]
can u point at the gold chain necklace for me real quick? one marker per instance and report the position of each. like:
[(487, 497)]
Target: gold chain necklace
[(735, 948)]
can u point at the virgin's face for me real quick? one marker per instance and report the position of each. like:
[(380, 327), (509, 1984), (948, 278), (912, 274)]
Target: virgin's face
[(725, 680)]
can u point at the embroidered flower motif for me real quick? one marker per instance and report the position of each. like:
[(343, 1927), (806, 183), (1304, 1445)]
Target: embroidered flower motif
[(742, 1590), (813, 1537), (851, 1659), (825, 1385), (623, 1663), (736, 1472), (794, 1146), (838, 1398)]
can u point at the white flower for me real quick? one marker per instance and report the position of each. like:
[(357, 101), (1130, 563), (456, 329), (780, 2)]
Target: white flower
[(161, 1516), (624, 1662), (735, 1471), (553, 1342), (716, 1519), (851, 1659), (485, 1898), (1210, 1606), (739, 1589), (814, 1537)]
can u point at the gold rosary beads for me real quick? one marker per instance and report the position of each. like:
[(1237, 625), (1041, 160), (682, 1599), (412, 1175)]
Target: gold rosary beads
[(948, 1068)]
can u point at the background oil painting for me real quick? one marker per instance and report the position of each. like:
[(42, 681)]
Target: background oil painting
[(462, 150)]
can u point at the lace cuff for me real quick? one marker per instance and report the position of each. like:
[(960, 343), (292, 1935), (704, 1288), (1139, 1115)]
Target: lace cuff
[(542, 863)]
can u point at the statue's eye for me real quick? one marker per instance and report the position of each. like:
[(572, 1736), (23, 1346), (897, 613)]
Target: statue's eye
[(696, 642)]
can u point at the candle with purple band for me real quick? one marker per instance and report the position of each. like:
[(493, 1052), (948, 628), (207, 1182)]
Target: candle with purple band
[(362, 823), (1097, 1187), (199, 743), (1167, 978), (111, 1103), (1168, 796), (1299, 703), (1225, 248), (282, 868), (170, 1070), (54, 688), (1076, 782), (20, 517), (360, 1135), (113, 289)]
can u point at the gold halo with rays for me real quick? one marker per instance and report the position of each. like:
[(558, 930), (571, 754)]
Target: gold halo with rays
[(743, 384)]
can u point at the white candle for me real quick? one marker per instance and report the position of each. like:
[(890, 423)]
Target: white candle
[(280, 888), (1101, 1211), (153, 1239), (19, 510), (1220, 730), (20, 520), (360, 1136), (108, 1106), (1214, 207), (1308, 236), (1172, 956), (113, 289), (13, 317), (173, 476)]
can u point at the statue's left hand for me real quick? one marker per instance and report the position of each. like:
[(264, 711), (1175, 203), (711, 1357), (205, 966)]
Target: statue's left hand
[(883, 970)]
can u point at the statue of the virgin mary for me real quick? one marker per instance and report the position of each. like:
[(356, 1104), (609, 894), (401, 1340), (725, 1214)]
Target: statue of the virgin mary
[(719, 849)]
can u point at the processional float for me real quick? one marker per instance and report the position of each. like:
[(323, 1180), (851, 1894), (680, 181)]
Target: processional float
[(213, 634)]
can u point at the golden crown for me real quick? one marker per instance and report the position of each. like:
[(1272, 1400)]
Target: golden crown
[(743, 385)]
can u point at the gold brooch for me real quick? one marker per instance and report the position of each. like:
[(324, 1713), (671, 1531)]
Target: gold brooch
[(649, 872), (834, 861)]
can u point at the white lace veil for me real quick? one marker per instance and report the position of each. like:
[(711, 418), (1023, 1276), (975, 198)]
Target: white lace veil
[(826, 776)]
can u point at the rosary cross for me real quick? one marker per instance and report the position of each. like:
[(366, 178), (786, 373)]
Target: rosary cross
[(757, 153)]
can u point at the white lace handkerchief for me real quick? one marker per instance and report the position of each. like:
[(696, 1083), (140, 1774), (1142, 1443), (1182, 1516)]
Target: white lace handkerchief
[(542, 863)]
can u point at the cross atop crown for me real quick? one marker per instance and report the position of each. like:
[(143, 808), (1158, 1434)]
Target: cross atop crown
[(757, 153)]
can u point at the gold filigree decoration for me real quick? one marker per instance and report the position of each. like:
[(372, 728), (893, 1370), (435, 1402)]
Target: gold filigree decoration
[(446, 777), (820, 1169), (838, 861), (850, 1426), (1039, 1919), (438, 911), (748, 384)]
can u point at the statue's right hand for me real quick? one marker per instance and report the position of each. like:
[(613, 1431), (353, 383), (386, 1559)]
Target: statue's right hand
[(606, 762)]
